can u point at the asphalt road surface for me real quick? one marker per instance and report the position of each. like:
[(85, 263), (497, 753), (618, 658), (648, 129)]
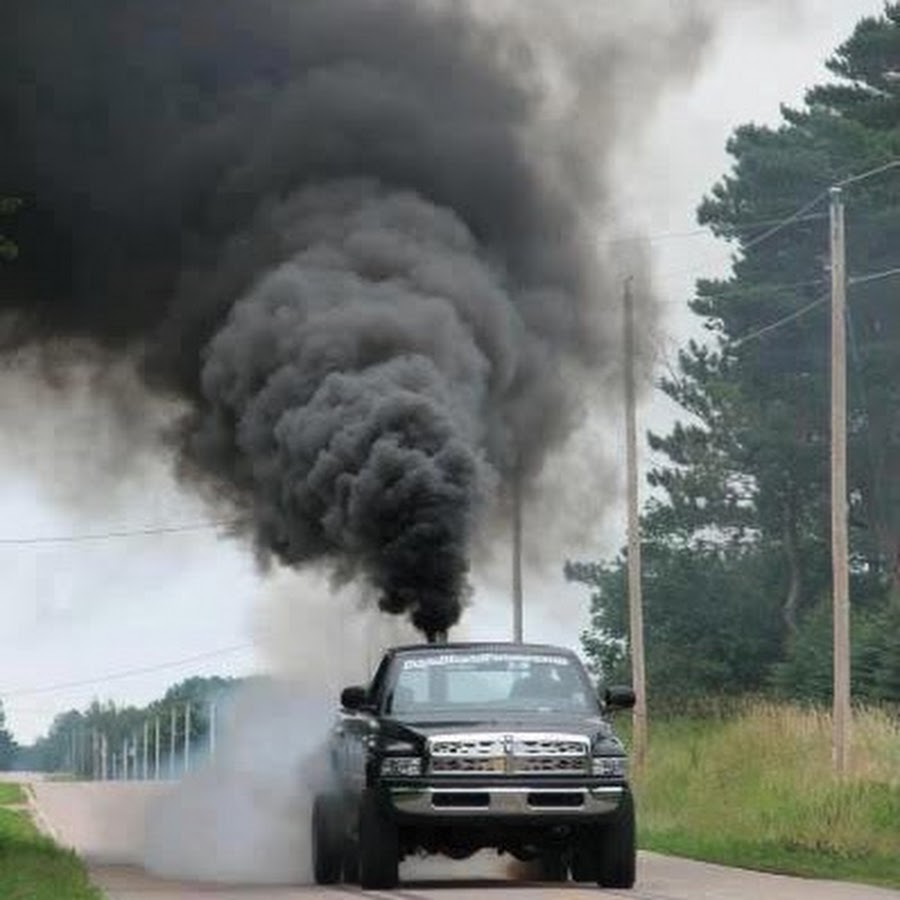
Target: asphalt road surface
[(104, 823)]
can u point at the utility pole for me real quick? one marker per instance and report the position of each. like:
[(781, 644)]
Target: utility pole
[(146, 770), (173, 724), (635, 602), (187, 737), (212, 729), (156, 748), (518, 603), (839, 541)]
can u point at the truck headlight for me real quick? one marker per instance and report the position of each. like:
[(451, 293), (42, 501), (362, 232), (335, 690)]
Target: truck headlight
[(609, 766), (401, 766)]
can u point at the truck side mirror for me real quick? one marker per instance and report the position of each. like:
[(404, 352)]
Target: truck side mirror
[(355, 697), (618, 697)]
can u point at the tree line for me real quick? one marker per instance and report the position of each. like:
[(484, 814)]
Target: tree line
[(97, 741), (736, 537)]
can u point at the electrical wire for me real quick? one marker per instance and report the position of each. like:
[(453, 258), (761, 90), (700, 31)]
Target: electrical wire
[(795, 217), (851, 282), (790, 220), (873, 276), (753, 335), (125, 673), (776, 288), (705, 230), (120, 533), (893, 164)]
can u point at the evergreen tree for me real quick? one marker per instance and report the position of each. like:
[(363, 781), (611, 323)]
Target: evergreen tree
[(7, 744), (742, 515)]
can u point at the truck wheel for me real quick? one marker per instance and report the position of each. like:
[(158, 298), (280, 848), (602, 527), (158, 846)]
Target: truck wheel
[(327, 838), (554, 866), (617, 849), (584, 856), (379, 846), (351, 861)]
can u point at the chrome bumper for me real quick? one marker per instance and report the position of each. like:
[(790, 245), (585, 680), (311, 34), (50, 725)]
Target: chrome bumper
[(491, 801)]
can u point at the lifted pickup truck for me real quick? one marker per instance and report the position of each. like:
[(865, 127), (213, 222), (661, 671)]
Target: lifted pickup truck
[(453, 748)]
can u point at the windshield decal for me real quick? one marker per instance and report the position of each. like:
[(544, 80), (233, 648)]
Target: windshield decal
[(453, 659)]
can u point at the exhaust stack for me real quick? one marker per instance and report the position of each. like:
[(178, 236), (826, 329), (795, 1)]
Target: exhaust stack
[(437, 637)]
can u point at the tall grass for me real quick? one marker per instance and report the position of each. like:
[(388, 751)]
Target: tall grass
[(758, 786)]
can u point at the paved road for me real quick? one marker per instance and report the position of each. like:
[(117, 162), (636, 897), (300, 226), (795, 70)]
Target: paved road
[(104, 822)]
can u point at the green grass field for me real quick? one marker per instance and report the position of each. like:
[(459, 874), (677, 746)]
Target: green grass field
[(756, 790), (11, 793), (32, 867)]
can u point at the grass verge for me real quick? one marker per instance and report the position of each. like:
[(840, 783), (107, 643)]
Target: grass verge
[(756, 790), (32, 867), (11, 793)]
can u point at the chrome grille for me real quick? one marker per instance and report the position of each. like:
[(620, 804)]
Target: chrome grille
[(509, 754), (551, 764), (490, 745), (549, 747), (453, 764)]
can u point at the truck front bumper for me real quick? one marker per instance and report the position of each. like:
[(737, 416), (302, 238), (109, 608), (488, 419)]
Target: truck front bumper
[(508, 802)]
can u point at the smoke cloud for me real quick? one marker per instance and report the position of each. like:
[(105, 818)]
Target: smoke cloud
[(245, 815), (355, 239)]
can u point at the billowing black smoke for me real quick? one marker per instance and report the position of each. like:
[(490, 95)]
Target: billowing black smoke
[(328, 226)]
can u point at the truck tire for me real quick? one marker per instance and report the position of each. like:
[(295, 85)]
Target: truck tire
[(617, 848), (351, 861), (379, 846), (607, 853), (554, 866), (327, 838), (584, 856)]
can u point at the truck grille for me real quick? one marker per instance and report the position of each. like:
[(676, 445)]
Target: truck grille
[(509, 754)]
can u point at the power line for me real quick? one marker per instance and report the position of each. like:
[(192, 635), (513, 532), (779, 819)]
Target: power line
[(784, 287), (666, 276), (126, 673), (851, 282), (120, 533), (874, 276), (893, 164), (802, 213), (776, 288), (778, 323), (705, 230), (796, 216)]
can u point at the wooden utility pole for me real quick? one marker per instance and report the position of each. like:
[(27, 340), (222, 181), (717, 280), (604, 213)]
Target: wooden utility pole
[(156, 773), (187, 737), (635, 602), (173, 723), (517, 598), (839, 541), (213, 724)]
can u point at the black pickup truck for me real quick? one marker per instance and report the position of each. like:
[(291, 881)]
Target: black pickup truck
[(453, 748)]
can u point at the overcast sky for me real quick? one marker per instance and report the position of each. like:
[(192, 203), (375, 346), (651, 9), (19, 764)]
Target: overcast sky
[(75, 613)]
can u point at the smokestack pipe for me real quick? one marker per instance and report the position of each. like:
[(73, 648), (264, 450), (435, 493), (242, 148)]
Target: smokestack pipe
[(437, 637)]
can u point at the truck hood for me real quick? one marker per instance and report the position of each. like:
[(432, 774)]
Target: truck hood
[(417, 731)]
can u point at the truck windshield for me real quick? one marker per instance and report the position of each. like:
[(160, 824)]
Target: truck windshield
[(461, 682)]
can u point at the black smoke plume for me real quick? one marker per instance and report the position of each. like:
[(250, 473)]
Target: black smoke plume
[(331, 227)]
